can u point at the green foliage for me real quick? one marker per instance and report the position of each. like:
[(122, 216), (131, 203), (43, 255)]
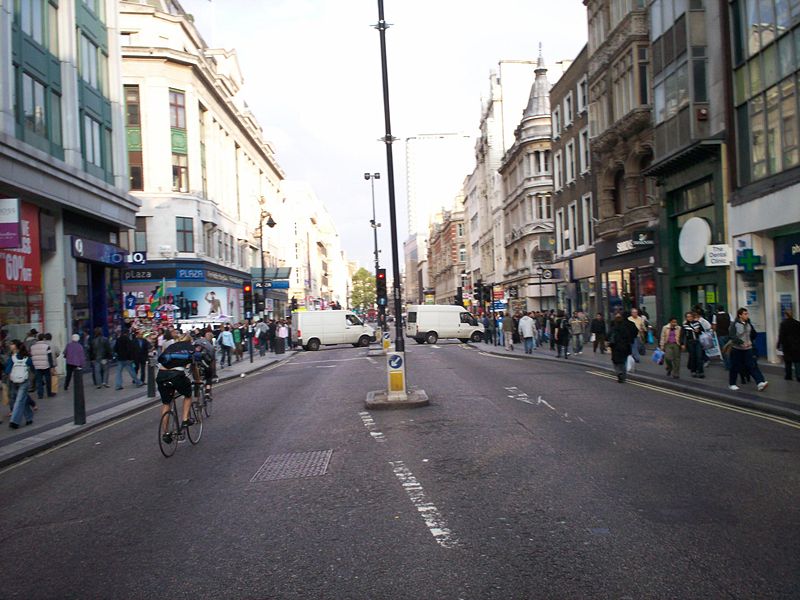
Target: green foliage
[(362, 296)]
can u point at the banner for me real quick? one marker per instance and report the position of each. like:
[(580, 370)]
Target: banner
[(10, 226), (22, 265)]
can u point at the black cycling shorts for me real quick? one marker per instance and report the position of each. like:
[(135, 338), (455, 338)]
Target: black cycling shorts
[(170, 382)]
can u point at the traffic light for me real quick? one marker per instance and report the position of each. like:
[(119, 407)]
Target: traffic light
[(380, 287), (247, 290), (193, 308), (478, 292), (294, 303), (487, 293)]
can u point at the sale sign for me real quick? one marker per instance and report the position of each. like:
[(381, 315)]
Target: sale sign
[(9, 223), (22, 266)]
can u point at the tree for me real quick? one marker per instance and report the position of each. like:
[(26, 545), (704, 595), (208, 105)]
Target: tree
[(363, 295)]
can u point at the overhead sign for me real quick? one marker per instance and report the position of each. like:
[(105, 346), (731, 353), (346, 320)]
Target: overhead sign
[(718, 255), (274, 285), (10, 226)]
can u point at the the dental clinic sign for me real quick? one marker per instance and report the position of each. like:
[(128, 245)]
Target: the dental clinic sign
[(10, 227)]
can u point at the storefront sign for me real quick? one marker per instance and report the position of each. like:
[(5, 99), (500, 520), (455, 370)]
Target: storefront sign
[(718, 255), (748, 260), (22, 265), (147, 274), (640, 241), (107, 254), (190, 274), (10, 229), (787, 250), (224, 278)]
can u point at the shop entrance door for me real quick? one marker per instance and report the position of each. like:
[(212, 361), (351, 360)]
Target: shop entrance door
[(786, 291)]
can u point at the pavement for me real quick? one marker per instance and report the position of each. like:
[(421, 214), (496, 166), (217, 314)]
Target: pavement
[(781, 397), (53, 421)]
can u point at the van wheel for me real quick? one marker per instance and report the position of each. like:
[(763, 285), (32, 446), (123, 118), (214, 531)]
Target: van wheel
[(313, 344), (477, 337), (419, 340), (363, 341), (431, 337)]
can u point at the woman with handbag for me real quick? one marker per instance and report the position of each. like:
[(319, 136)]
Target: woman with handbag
[(620, 339), (670, 342)]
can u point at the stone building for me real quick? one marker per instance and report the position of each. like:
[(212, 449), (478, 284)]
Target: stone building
[(573, 197), (447, 258), (526, 172), (621, 141)]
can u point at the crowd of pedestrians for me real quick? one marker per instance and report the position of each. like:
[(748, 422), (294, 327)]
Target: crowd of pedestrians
[(30, 365), (694, 340)]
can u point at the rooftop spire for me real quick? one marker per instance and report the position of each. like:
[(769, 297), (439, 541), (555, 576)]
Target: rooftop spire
[(539, 101)]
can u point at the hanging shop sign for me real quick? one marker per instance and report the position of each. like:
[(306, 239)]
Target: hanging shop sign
[(10, 223), (22, 265)]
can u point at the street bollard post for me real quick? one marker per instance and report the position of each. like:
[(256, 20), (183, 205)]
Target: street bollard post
[(250, 342), (78, 398), (151, 380)]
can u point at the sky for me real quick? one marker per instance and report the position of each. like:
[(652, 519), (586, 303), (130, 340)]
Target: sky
[(312, 77)]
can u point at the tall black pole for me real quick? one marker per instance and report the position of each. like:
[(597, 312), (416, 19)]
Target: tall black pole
[(261, 248), (399, 342)]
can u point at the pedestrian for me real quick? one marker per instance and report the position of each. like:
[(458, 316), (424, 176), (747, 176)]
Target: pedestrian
[(515, 339), (527, 331), (488, 327), (18, 369), (690, 335), (237, 342), (500, 341), (563, 333), (620, 339), (741, 350), (789, 344), (225, 342), (551, 328), (43, 363), (638, 343), (101, 353), (126, 353), (283, 337), (262, 332), (598, 332), (75, 357), (670, 342), (721, 324), (508, 333), (142, 355), (576, 325), (272, 334), (31, 339)]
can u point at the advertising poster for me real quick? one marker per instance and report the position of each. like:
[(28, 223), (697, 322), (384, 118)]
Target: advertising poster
[(212, 302)]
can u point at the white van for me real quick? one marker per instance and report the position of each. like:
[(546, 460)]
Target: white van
[(316, 328), (430, 322)]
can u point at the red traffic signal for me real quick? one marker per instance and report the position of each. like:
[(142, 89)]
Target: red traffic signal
[(248, 288)]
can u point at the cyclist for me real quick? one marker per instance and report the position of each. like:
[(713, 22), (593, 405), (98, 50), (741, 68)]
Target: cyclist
[(172, 374), (208, 366)]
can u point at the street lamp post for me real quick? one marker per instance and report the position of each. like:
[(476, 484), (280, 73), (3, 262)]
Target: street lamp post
[(270, 223), (374, 224)]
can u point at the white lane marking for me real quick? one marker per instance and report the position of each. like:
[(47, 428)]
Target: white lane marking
[(371, 360), (330, 360), (325, 367), (371, 426), (435, 346), (430, 514), (516, 394), (498, 356)]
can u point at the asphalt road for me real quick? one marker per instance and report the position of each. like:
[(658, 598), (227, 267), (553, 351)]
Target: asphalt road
[(523, 479)]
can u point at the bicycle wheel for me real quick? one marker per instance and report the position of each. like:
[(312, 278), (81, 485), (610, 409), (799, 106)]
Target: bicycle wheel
[(207, 400), (195, 432), (168, 433)]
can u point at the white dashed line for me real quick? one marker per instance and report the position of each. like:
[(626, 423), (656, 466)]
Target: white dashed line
[(370, 424), (430, 514)]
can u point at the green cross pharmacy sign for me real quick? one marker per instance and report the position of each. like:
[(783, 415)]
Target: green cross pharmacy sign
[(748, 260)]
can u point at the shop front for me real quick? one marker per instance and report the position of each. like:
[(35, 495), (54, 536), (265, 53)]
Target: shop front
[(627, 273), (21, 299)]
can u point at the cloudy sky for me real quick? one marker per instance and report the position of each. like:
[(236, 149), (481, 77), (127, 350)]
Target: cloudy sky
[(313, 79)]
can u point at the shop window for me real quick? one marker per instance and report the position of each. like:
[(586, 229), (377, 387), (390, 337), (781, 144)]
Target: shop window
[(33, 105), (140, 235), (180, 173), (132, 113), (92, 145)]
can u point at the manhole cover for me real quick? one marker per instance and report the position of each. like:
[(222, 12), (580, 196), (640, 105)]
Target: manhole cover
[(293, 466)]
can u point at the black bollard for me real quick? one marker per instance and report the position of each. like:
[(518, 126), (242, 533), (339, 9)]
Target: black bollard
[(151, 381), (78, 398), (250, 343)]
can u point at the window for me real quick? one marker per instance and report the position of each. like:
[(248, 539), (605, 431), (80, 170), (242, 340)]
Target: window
[(588, 223), (584, 150), (185, 234), (559, 227), (583, 95), (203, 169), (557, 181), (569, 160), (180, 173), (132, 114), (55, 118), (544, 208), (92, 147), (460, 230), (93, 64), (569, 114), (135, 170), (177, 109), (556, 123), (462, 253), (140, 235), (571, 237), (97, 7), (672, 94), (33, 105), (622, 78)]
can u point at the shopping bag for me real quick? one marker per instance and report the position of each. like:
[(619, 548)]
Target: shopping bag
[(54, 382), (658, 356), (714, 350), (593, 337), (650, 338), (706, 340), (630, 364)]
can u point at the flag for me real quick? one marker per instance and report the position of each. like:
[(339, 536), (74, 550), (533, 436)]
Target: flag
[(157, 295)]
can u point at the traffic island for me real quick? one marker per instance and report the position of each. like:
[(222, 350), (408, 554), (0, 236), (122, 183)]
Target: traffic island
[(382, 400)]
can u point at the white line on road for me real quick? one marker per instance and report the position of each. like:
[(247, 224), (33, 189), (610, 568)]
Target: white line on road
[(325, 367), (498, 356), (431, 515), (371, 360), (370, 424)]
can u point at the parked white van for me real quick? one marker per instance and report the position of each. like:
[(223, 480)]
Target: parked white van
[(431, 322), (315, 328)]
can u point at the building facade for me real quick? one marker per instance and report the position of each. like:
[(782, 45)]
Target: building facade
[(207, 179), (621, 142), (574, 192), (63, 181), (447, 258), (764, 160), (526, 173)]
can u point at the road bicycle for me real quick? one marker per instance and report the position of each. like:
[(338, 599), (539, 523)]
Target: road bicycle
[(172, 431), (202, 396)]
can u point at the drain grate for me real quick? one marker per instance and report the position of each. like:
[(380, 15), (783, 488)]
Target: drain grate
[(293, 466)]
